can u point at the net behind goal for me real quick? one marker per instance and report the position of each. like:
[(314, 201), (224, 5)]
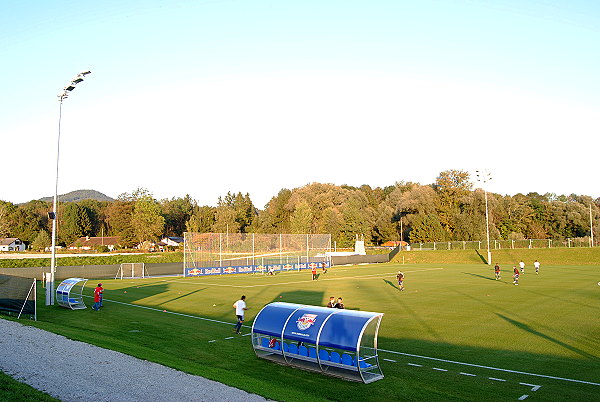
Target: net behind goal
[(131, 270), (217, 253)]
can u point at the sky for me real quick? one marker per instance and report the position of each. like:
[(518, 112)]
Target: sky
[(209, 97)]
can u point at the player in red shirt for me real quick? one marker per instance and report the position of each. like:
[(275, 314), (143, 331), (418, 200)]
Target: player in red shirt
[(98, 290), (497, 271), (516, 275), (314, 272)]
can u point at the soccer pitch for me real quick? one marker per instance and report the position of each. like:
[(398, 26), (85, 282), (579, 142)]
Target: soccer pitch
[(454, 333)]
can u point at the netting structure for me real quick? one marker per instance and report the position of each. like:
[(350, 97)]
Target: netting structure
[(234, 253), (131, 270), (17, 296)]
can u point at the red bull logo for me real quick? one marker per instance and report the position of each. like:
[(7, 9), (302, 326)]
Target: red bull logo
[(287, 267), (306, 321), (261, 268), (212, 271), (245, 269), (195, 272), (229, 270), (312, 265)]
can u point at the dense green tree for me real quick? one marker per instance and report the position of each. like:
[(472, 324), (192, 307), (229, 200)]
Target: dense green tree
[(177, 212), (42, 241), (301, 220), (6, 209), (119, 215), (147, 222), (74, 223), (427, 228), (202, 220)]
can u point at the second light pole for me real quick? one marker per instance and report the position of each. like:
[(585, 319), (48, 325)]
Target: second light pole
[(484, 176)]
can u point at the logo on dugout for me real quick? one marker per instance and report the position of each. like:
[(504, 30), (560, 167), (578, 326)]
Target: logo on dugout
[(306, 321)]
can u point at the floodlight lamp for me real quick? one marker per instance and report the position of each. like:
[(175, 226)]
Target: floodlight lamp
[(70, 87), (77, 80), (83, 74)]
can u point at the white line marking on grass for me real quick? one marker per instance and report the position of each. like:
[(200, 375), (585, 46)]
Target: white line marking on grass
[(370, 276), (230, 337), (439, 369), (523, 397), (492, 368), (416, 365), (249, 333), (172, 312), (214, 340), (390, 360), (496, 379), (469, 374), (533, 386)]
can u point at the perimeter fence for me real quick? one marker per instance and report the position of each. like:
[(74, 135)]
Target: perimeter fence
[(578, 242)]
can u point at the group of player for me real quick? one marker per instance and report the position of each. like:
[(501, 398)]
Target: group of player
[(314, 270), (517, 272)]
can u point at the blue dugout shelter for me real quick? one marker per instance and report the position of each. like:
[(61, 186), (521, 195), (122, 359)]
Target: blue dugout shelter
[(69, 293), (341, 343)]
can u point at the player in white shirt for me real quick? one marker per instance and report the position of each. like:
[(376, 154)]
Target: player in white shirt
[(536, 264), (240, 307), (522, 266)]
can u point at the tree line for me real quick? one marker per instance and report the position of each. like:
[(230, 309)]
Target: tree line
[(449, 209)]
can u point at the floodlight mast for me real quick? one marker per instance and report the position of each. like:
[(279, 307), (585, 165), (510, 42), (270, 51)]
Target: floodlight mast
[(54, 215), (483, 177)]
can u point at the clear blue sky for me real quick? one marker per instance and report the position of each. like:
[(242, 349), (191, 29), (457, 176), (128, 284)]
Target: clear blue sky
[(205, 97)]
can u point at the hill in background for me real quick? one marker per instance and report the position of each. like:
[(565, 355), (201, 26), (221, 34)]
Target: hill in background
[(79, 195)]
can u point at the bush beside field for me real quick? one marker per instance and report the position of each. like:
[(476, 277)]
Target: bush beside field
[(25, 262), (546, 256)]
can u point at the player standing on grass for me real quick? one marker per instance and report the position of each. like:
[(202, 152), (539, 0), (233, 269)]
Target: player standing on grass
[(400, 278), (516, 275), (324, 267), (497, 271), (522, 265), (98, 297), (314, 272), (536, 264), (240, 307)]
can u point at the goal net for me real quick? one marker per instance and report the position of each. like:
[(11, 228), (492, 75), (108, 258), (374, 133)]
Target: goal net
[(18, 296), (131, 270), (255, 252)]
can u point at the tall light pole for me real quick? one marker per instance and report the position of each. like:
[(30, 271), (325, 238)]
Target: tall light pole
[(483, 177), (54, 214), (591, 228)]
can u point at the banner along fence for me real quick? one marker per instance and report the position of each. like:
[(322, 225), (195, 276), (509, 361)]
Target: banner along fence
[(506, 244)]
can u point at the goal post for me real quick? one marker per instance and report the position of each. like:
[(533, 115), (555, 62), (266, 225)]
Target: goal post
[(131, 270)]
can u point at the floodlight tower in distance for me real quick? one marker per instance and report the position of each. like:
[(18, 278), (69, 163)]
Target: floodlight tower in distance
[(483, 176), (54, 214)]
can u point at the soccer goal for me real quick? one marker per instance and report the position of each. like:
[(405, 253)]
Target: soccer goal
[(131, 270)]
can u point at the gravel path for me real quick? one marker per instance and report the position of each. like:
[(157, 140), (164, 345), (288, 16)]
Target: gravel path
[(76, 371)]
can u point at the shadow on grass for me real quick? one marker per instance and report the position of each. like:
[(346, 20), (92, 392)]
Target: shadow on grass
[(391, 284), (312, 298), (480, 276), (482, 258), (185, 295), (525, 327)]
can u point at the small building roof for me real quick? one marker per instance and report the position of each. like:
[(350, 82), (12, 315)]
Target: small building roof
[(5, 241), (96, 241)]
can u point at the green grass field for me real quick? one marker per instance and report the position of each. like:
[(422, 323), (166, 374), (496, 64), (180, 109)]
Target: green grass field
[(511, 339)]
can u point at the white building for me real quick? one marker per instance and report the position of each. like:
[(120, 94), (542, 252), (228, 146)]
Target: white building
[(11, 244)]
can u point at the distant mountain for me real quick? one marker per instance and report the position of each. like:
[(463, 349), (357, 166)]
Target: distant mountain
[(79, 195)]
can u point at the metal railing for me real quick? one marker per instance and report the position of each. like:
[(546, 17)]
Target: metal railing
[(506, 244)]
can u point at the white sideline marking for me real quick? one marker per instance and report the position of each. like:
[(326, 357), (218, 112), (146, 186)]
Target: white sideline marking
[(416, 365), (469, 374), (491, 368), (496, 379), (214, 340), (381, 350), (230, 337), (249, 333), (390, 360), (523, 397), (439, 369), (533, 386)]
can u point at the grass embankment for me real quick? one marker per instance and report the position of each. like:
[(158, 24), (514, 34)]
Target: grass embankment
[(12, 390), (506, 257), (94, 260)]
